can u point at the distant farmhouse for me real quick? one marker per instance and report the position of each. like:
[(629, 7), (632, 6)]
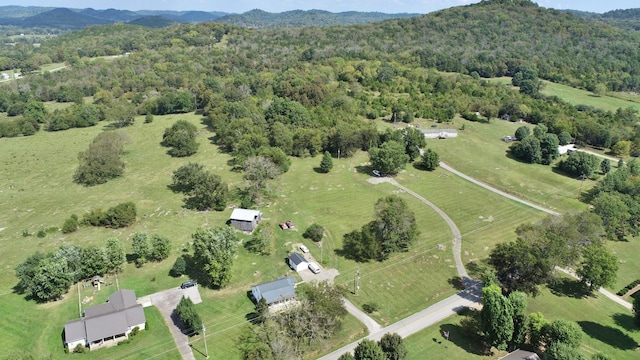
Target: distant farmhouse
[(439, 133), (106, 324), (244, 219), (276, 291)]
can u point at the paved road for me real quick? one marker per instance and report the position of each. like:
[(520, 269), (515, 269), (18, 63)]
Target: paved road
[(371, 324), (603, 291), (468, 298), (417, 321), (166, 301), (499, 192)]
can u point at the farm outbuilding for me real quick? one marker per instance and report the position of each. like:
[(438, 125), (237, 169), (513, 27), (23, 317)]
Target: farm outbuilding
[(297, 261), (440, 133), (245, 220), (276, 291)]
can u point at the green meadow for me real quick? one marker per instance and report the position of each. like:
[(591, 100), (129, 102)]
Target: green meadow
[(37, 194), (574, 96)]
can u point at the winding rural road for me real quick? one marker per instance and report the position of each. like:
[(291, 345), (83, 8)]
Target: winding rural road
[(434, 313), (494, 190), (603, 291)]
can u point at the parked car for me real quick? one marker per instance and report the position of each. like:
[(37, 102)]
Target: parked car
[(314, 268), (188, 284), (304, 249), (376, 173)]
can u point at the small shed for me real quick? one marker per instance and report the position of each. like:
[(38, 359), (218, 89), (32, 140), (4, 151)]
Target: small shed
[(297, 262), (275, 291), (567, 149), (440, 133), (244, 219)]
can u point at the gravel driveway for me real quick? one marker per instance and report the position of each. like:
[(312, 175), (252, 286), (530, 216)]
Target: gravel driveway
[(167, 301)]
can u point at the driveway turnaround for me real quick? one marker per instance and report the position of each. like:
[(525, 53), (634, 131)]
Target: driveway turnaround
[(167, 301)]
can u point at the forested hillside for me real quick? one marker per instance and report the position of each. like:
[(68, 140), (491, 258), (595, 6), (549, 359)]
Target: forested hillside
[(299, 18), (311, 85)]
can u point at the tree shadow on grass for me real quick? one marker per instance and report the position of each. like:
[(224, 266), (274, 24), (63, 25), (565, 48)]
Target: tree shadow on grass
[(608, 335), (567, 287), (456, 282), (625, 321), (460, 337)]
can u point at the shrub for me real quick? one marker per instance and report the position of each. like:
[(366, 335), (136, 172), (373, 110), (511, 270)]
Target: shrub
[(70, 225), (148, 119), (314, 233), (370, 307), (179, 267), (94, 218), (41, 233), (79, 349), (120, 216)]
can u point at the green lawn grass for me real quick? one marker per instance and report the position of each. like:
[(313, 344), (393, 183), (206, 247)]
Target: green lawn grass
[(479, 152), (608, 327), (607, 102)]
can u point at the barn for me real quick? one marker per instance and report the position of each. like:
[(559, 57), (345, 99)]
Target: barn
[(244, 219)]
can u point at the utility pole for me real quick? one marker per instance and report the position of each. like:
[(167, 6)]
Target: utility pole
[(204, 336), (356, 284)]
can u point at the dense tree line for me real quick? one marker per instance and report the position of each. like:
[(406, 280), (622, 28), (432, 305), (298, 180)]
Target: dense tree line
[(569, 240), (47, 276)]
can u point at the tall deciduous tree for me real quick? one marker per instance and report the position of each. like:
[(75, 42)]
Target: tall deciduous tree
[(520, 266), (580, 164), (101, 162), (528, 150), (522, 132), (368, 350), (599, 267), (204, 190), (389, 158), (496, 317), (181, 138), (430, 160), (394, 224), (214, 250), (161, 247), (393, 346), (141, 248), (116, 256)]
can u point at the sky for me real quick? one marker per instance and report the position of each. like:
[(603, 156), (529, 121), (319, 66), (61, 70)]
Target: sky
[(240, 6)]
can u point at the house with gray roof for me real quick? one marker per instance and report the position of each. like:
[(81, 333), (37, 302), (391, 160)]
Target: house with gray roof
[(275, 291), (106, 324), (245, 219)]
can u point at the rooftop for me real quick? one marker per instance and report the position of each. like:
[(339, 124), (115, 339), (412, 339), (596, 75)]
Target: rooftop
[(244, 214)]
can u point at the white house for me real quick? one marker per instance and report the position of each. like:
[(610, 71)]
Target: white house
[(440, 133), (563, 149), (106, 324), (297, 262)]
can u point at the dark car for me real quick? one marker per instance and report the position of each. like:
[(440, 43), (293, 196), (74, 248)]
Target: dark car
[(188, 284)]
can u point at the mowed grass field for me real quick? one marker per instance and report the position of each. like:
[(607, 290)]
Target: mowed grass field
[(38, 193), (607, 102), (479, 152)]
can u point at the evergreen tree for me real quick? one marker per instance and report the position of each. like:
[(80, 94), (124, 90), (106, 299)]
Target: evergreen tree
[(327, 162)]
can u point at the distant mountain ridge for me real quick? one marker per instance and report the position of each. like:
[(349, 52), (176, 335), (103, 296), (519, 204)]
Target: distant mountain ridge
[(73, 19), (301, 18)]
